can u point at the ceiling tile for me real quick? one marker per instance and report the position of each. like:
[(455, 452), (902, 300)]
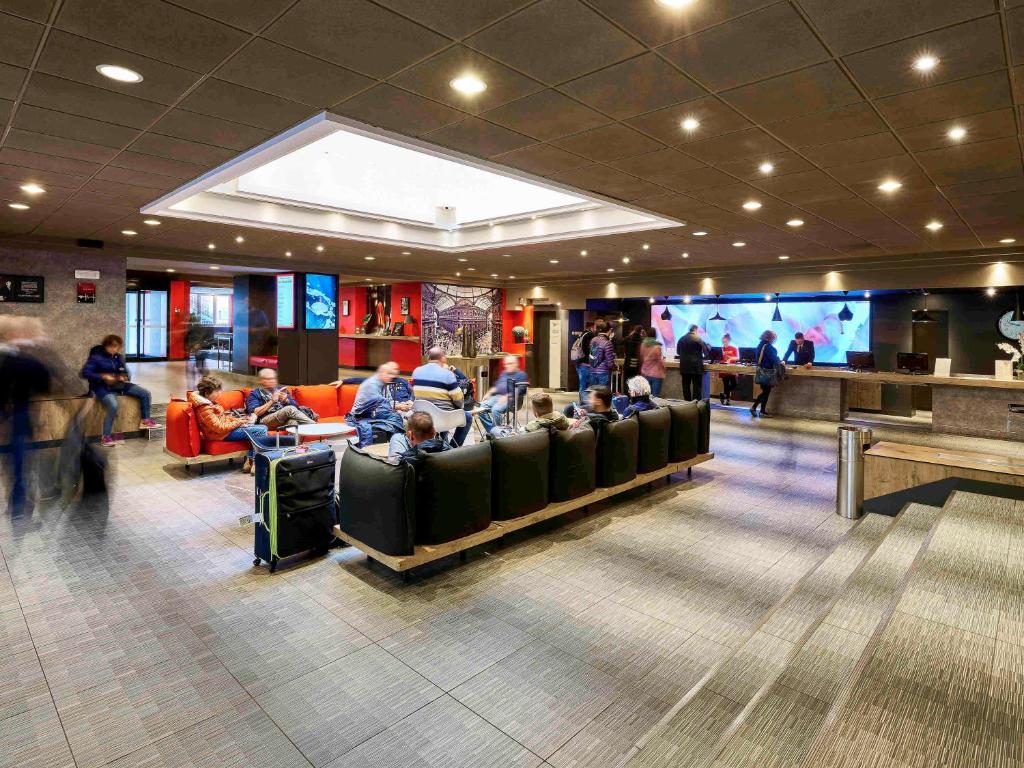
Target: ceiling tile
[(609, 182), (356, 34), (814, 180), (815, 89), (75, 58), (973, 162), (854, 25), (21, 174), (772, 41), (751, 142), (60, 147), (1015, 29), (660, 166), (632, 87), (957, 192), (964, 51), (432, 78), (161, 166), (556, 40), (249, 15), (869, 147), (541, 159), (681, 207), (546, 115), (11, 79), (858, 217), (205, 129), (65, 165), (397, 110), (749, 168), (478, 137), (18, 40), (37, 10), (152, 28), (160, 184), (715, 119), (700, 178), (455, 18), (6, 107), (655, 23), (941, 102), (730, 197), (272, 68), (835, 125), (55, 123), (982, 127), (244, 105), (864, 177), (179, 149), (609, 143), (97, 103)]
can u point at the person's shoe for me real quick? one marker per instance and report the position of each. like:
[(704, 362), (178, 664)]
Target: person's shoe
[(247, 465), (753, 411), (107, 441), (728, 401), (118, 438), (148, 424), (721, 398)]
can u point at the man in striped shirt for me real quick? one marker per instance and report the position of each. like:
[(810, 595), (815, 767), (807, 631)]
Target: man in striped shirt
[(435, 381)]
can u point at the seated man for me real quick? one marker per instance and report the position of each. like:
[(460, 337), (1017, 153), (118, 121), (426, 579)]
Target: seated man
[(372, 411), (599, 410), (496, 401), (273, 406), (420, 437), (437, 383), (639, 396), (545, 416)]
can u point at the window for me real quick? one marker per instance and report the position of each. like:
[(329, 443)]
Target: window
[(211, 306)]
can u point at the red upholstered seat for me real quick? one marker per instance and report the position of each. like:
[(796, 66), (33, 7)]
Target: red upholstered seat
[(182, 436), (322, 398), (230, 399), (347, 395), (332, 419), (219, 447), (263, 361)]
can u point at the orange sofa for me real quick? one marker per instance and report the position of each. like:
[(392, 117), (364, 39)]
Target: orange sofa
[(186, 444)]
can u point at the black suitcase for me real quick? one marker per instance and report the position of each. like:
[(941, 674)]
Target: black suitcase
[(295, 507)]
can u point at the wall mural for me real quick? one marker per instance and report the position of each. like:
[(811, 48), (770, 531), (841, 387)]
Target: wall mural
[(462, 320)]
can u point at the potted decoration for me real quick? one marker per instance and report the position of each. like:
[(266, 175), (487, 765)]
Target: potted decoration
[(518, 334), (1016, 354)]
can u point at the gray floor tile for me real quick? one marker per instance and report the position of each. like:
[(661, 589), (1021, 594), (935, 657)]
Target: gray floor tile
[(34, 739), (22, 685)]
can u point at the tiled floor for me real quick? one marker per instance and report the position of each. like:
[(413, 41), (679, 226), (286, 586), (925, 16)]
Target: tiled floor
[(734, 620)]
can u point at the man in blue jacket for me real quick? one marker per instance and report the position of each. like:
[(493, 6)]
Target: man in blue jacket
[(107, 374), (273, 406)]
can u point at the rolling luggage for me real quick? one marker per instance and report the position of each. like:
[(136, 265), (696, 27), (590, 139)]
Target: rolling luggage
[(294, 502)]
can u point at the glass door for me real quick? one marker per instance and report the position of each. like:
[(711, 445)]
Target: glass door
[(145, 320)]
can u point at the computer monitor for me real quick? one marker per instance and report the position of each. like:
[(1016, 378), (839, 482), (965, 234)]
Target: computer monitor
[(914, 362), (861, 361), (715, 355), (748, 354)]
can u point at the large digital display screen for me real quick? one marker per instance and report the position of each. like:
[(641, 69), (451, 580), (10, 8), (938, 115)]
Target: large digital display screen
[(286, 301), (321, 302), (745, 322)]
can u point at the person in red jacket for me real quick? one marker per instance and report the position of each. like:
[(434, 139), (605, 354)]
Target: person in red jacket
[(729, 380)]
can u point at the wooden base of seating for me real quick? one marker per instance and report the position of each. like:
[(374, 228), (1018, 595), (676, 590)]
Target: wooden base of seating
[(206, 458), (499, 528), (892, 467)]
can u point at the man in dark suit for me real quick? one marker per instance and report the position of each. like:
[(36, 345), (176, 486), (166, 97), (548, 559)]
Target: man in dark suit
[(690, 352), (802, 350)]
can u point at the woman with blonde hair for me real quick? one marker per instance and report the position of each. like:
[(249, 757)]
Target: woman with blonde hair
[(770, 370)]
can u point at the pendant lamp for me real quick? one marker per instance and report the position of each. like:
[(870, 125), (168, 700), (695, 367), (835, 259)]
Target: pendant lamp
[(845, 314), (777, 315), (923, 316), (718, 315), (665, 314)]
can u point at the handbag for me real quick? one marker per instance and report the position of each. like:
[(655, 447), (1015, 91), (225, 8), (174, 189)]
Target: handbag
[(770, 376)]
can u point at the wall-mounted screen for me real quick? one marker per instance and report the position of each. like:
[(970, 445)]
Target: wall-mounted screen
[(745, 322), (286, 301), (321, 302)]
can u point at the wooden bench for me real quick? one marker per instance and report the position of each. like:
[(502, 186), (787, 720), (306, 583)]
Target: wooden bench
[(892, 467), (498, 528)]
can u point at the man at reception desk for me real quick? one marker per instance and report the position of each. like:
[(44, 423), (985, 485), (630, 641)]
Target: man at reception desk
[(802, 350)]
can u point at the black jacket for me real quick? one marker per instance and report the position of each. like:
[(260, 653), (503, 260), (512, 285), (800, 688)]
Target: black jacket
[(802, 356), (691, 351)]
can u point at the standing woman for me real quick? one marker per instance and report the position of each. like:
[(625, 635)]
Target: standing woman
[(769, 371), (632, 344), (652, 363), (729, 380)]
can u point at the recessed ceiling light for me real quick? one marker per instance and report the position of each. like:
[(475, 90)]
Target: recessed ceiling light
[(320, 248), (583, 253), (506, 255), (552, 261), (690, 124), (925, 63), (168, 270), (795, 223), (239, 239), (783, 258), (1007, 240), (493, 275), (511, 277), (699, 234), (18, 206), (956, 132), (458, 274), (738, 244), (463, 260), (610, 269), (767, 297), (121, 74), (288, 254), (129, 232), (211, 246), (766, 167), (867, 294), (934, 226), (687, 299), (646, 247), (889, 185), (469, 85), (370, 258), (214, 266), (625, 259), (990, 291), (151, 222), (366, 279), (406, 253), (32, 189), (751, 205), (686, 255), (675, 3), (471, 269)]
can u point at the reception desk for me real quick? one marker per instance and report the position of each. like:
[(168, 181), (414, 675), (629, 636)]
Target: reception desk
[(961, 404)]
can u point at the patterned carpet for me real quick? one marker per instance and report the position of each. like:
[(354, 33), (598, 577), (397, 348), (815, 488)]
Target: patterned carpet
[(731, 621)]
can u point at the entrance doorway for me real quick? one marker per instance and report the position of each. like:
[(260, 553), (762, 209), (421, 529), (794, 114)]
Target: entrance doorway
[(146, 323)]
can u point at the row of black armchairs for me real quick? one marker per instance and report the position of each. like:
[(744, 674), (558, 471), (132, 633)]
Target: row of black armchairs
[(392, 507)]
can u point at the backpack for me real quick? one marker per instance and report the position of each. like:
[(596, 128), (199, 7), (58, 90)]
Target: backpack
[(576, 353)]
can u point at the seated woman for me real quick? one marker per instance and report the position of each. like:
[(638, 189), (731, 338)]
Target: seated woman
[(217, 424), (107, 374), (639, 396)]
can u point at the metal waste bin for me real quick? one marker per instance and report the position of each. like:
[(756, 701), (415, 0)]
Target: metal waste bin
[(853, 441)]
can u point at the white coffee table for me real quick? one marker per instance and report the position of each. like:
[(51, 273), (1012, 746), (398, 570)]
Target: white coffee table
[(324, 431)]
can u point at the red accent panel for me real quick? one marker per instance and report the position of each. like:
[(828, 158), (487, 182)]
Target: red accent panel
[(179, 300), (511, 317), (263, 361)]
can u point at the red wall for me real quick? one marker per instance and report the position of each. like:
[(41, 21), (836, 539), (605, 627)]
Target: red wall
[(352, 352), (511, 317), (178, 298)]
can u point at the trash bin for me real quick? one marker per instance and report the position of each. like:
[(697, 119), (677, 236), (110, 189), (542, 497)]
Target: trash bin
[(850, 475)]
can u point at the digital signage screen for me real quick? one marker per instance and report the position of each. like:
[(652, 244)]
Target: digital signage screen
[(286, 301), (745, 322), (321, 302)]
